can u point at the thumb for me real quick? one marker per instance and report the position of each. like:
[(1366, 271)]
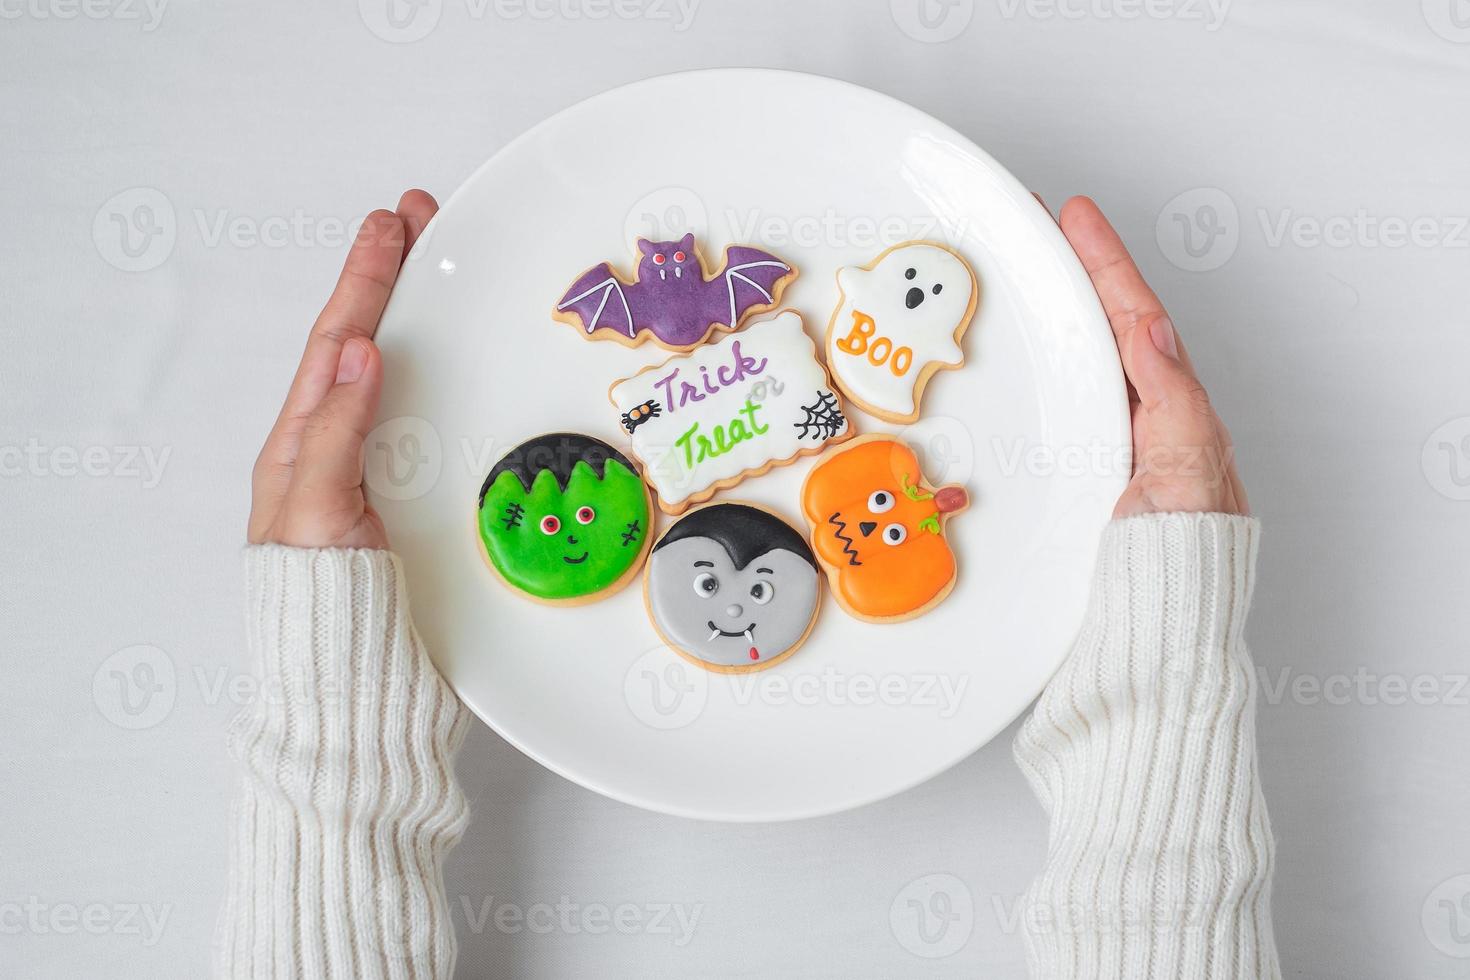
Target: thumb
[(1174, 401), (330, 462)]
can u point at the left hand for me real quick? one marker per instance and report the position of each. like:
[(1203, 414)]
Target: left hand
[(307, 484)]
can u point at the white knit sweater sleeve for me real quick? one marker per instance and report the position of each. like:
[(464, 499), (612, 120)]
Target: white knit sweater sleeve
[(1143, 752), (348, 802)]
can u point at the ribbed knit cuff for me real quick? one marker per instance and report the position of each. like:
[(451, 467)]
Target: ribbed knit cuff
[(1142, 749), (348, 803)]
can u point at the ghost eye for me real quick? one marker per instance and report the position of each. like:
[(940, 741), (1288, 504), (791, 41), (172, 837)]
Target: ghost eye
[(550, 524), (706, 585), (586, 515), (938, 288), (910, 273), (679, 256), (895, 534), (762, 592), (658, 259), (880, 502)]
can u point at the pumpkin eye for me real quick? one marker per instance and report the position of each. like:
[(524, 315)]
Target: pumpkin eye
[(586, 515), (550, 524), (762, 592), (679, 256), (895, 534), (658, 259), (706, 585), (880, 502)]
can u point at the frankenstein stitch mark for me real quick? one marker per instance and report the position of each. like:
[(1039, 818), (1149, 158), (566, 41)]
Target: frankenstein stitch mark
[(732, 587), (561, 518)]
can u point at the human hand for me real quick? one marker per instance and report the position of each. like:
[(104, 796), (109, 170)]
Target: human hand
[(307, 483), (1183, 459)]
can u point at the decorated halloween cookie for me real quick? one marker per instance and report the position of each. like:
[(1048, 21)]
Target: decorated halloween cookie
[(899, 319), (732, 587), (703, 421), (671, 297), (879, 529), (564, 519)]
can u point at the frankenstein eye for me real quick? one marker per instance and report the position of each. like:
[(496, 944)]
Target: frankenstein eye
[(550, 524)]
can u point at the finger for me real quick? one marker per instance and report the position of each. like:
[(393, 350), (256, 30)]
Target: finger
[(416, 208), (1177, 414), (328, 469), (353, 310), (1125, 297)]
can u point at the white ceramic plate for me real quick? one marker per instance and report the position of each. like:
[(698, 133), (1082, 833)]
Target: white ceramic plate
[(824, 174)]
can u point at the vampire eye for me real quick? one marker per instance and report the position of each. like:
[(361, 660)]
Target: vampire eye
[(658, 259), (938, 288), (586, 515), (880, 502), (762, 592), (706, 585), (679, 256), (550, 524), (895, 534), (910, 273)]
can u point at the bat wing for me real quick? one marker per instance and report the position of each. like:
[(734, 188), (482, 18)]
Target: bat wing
[(752, 278), (599, 299)]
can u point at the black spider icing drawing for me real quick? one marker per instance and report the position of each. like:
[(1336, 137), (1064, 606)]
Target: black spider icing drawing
[(638, 414)]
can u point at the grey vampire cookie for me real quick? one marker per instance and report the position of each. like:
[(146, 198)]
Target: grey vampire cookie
[(732, 587)]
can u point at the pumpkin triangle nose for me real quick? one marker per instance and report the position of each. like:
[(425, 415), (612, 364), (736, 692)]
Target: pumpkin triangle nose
[(867, 527)]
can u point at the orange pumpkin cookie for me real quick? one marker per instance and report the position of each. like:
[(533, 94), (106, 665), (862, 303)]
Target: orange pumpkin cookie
[(878, 529)]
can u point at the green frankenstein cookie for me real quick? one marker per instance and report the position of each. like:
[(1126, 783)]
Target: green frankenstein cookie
[(564, 517)]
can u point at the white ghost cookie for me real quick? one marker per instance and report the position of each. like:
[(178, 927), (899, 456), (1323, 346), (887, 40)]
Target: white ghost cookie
[(899, 319)]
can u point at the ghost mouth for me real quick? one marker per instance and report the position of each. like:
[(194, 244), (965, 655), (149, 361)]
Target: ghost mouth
[(575, 561)]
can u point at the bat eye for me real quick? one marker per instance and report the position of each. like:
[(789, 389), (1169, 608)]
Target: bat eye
[(680, 256), (550, 524), (895, 534), (658, 259), (910, 273), (880, 502), (586, 515)]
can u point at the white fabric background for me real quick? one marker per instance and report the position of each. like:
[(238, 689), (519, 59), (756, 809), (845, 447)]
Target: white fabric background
[(1335, 362)]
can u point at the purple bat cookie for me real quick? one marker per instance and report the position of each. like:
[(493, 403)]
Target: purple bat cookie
[(672, 297)]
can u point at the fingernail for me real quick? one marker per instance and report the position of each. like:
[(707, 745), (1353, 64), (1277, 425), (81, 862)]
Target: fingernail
[(1161, 331), (352, 362)]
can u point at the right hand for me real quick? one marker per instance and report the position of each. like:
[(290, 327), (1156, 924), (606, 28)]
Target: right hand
[(1183, 459)]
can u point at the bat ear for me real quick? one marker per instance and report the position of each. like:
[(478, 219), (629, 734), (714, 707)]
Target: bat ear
[(645, 246), (687, 242)]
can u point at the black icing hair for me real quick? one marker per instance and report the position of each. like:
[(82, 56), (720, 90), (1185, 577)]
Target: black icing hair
[(557, 452), (744, 532)]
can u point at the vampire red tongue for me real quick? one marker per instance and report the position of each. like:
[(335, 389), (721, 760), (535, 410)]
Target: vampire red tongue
[(754, 654)]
